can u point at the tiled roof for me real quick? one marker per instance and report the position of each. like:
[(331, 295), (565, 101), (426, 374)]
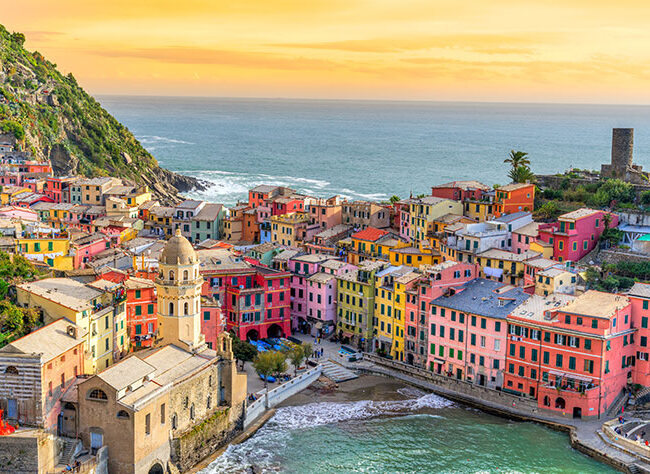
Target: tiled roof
[(579, 213), (369, 233), (597, 304), (465, 185), (640, 289), (514, 186)]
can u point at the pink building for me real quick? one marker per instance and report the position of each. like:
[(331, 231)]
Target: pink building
[(574, 357), (523, 237), (640, 298), (50, 358), (576, 233), (13, 212), (436, 281), (87, 247), (213, 323), (302, 267), (467, 331), (325, 213), (322, 296)]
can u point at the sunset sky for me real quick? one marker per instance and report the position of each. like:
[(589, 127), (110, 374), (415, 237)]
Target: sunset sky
[(497, 50)]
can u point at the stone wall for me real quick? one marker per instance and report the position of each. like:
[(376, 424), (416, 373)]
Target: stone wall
[(27, 453), (461, 390), (615, 256), (281, 393), (206, 437)]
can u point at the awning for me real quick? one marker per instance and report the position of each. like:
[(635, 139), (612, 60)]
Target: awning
[(571, 376), (440, 361)]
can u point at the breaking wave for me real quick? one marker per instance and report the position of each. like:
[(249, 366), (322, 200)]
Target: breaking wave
[(261, 450), (229, 187), (147, 140)]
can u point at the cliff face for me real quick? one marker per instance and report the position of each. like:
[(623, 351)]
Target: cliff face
[(53, 118)]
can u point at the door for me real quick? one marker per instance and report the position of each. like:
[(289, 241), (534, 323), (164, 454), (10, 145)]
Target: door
[(459, 374), (12, 409), (481, 379), (96, 441), (577, 412)]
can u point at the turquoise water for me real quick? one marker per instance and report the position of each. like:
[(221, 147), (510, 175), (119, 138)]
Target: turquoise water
[(368, 149), (418, 435)]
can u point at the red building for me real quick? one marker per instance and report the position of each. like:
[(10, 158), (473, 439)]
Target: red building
[(513, 198), (255, 300), (141, 311), (573, 355), (257, 304), (576, 233), (58, 188), (460, 190)]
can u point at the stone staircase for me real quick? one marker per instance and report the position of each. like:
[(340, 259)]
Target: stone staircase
[(68, 447), (336, 372)]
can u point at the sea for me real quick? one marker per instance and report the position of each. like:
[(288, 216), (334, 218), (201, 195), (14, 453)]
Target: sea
[(367, 149), (374, 150), (421, 433)]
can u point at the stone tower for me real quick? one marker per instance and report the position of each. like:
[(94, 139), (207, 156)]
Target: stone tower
[(179, 295), (622, 149)]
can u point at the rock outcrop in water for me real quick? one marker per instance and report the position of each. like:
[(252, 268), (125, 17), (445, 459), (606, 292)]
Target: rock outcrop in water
[(54, 119)]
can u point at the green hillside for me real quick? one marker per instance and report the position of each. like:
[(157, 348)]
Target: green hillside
[(53, 118)]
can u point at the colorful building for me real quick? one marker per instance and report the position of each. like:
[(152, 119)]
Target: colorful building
[(504, 266), (467, 334), (577, 233), (391, 285), (460, 190), (289, 229), (141, 311), (37, 370), (434, 282), (574, 356), (93, 310), (513, 198), (423, 211), (302, 267), (356, 303), (372, 244), (639, 296)]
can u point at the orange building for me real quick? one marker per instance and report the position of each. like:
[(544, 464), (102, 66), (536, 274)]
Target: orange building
[(513, 198), (141, 311)]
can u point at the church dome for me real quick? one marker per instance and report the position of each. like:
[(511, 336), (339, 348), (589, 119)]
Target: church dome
[(178, 251)]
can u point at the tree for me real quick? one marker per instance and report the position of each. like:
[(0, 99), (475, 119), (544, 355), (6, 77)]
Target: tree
[(279, 362), (517, 159), (521, 174), (548, 211), (614, 190), (265, 364), (297, 356), (394, 198), (18, 38), (243, 351), (307, 349), (645, 198)]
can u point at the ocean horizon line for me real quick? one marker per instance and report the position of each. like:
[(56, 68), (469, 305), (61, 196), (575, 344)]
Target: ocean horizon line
[(379, 100)]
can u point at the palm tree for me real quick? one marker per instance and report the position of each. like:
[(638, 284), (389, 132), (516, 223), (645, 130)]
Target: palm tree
[(517, 159)]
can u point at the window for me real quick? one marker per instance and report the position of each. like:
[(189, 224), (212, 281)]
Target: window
[(11, 370), (96, 394), (594, 324), (162, 414), (572, 363), (558, 360), (497, 326), (123, 415), (192, 413), (147, 423), (588, 344), (546, 357)]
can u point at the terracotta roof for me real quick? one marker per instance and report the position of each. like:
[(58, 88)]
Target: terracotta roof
[(369, 233)]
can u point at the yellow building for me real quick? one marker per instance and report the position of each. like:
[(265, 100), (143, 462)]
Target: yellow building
[(94, 310), (545, 248), (480, 211), (505, 266), (9, 193), (93, 189), (372, 244), (138, 197), (555, 280), (289, 229), (414, 256), (50, 250), (390, 309), (423, 211)]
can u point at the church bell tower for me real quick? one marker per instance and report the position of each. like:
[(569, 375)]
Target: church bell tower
[(179, 295)]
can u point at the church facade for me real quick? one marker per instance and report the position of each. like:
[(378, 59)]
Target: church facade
[(164, 409)]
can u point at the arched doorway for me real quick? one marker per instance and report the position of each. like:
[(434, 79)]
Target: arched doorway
[(560, 403), (252, 335), (275, 331), (156, 469)]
